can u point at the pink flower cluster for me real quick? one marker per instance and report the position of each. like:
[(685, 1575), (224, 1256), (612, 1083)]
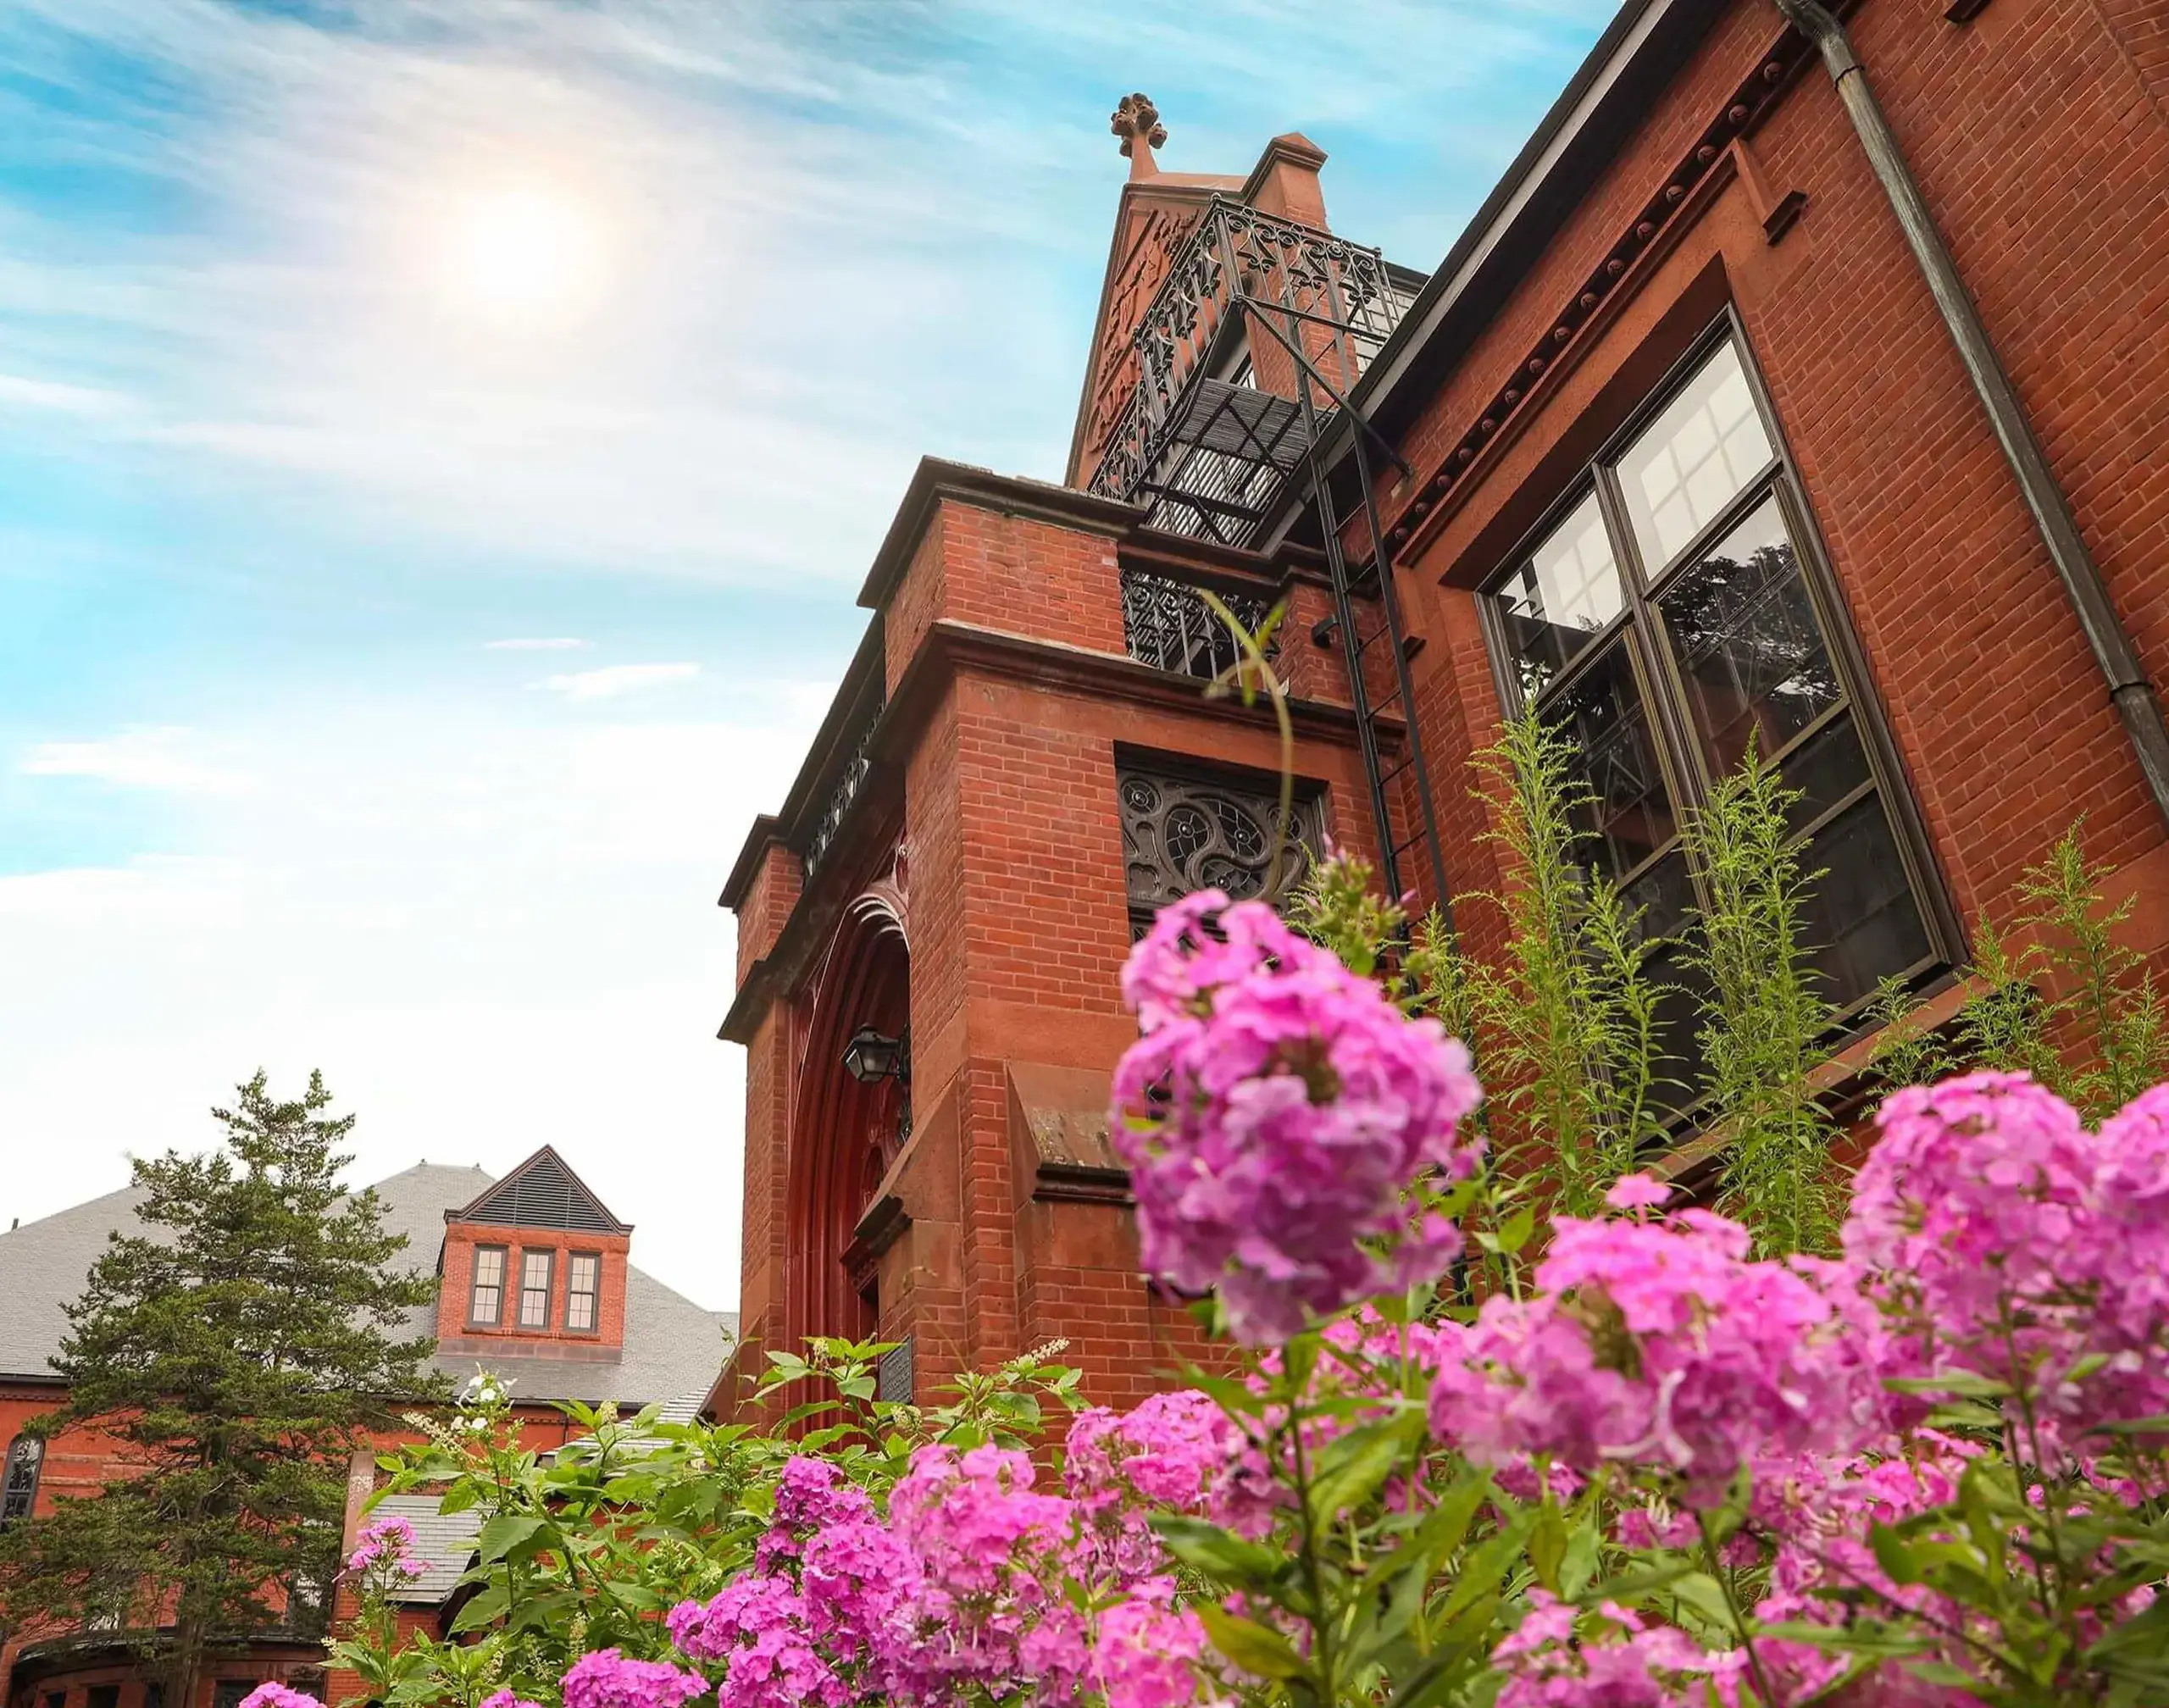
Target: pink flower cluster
[(1661, 1342), (1640, 1666), (812, 1495), (961, 1595), (1273, 1114), (278, 1695), (757, 1627), (1176, 1452), (2005, 1240), (388, 1545), (608, 1679)]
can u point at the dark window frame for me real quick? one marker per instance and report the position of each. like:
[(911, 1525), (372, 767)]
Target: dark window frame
[(548, 1290), (1636, 626), (21, 1502), (475, 1284), (594, 1295)]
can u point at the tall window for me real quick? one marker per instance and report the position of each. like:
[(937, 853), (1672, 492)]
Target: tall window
[(485, 1304), (583, 1281), (534, 1288), (1673, 614), (18, 1483)]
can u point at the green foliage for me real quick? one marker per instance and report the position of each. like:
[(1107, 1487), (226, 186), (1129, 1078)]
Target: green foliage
[(239, 1349), (1567, 1020), (2098, 1043), (587, 1548), (1399, 1602), (2109, 1007), (1764, 1018)]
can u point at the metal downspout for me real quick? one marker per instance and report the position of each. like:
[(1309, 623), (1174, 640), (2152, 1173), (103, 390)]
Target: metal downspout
[(2129, 690)]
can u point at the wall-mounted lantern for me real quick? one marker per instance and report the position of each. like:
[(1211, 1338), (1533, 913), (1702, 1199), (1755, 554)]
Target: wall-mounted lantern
[(871, 1056)]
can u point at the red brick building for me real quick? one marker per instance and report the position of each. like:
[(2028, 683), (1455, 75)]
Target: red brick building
[(1685, 437), (536, 1285)]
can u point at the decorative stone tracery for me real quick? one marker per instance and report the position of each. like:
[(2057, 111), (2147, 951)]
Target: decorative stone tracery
[(1186, 833)]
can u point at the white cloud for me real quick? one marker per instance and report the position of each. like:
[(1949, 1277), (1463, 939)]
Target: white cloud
[(613, 680), (62, 399), (490, 936), (167, 759), (562, 644)]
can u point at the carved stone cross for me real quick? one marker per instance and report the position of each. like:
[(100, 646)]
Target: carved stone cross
[(1136, 121)]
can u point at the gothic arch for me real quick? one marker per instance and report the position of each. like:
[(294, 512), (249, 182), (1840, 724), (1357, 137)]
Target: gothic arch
[(843, 1135)]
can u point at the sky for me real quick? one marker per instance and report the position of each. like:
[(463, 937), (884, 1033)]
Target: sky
[(440, 444)]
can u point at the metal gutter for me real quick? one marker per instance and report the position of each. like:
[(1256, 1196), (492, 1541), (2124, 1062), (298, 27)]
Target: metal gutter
[(2129, 690)]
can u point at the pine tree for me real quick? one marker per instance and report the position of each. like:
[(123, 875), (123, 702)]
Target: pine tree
[(237, 1350)]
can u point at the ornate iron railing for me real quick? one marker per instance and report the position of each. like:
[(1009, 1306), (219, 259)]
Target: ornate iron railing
[(1207, 453), (842, 795), (1169, 627)]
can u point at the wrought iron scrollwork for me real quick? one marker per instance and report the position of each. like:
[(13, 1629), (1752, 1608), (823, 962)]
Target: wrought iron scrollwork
[(842, 795), (1185, 833), (1169, 627), (1208, 455)]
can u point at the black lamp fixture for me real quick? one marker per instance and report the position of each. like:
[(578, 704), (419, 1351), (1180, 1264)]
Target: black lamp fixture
[(872, 1056)]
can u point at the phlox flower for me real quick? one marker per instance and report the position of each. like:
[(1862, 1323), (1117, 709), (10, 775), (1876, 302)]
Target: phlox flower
[(757, 1627), (606, 1679), (389, 1543), (1661, 1344), (1274, 1112), (810, 1494), (989, 1555), (1174, 1452), (1150, 1654), (1636, 1665), (2005, 1240), (277, 1695)]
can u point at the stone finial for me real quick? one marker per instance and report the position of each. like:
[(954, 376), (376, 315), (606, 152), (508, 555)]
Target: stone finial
[(1136, 120)]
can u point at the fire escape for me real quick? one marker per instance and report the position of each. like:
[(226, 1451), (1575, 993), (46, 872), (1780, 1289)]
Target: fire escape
[(1244, 357)]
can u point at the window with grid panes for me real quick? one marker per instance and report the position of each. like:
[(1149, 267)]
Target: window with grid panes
[(583, 1281), (535, 1268), (485, 1300), (1669, 615)]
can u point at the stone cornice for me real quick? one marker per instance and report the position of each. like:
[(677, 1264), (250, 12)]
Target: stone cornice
[(950, 646), (937, 480)]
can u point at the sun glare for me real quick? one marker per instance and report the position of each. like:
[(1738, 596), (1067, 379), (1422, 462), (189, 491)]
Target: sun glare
[(523, 253)]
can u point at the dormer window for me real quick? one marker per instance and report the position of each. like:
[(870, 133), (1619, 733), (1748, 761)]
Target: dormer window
[(486, 1303), (582, 1285), (535, 1268)]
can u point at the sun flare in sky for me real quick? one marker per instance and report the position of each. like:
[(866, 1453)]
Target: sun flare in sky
[(526, 254)]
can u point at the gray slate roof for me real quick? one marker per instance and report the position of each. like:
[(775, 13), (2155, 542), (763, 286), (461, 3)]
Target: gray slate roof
[(674, 1347)]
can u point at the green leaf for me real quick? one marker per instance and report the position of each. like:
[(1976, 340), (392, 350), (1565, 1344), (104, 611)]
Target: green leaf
[(486, 1609), (1239, 1563), (1351, 1469), (1578, 1564), (461, 1496), (1515, 1230), (1893, 1555), (506, 1532), (1967, 1382), (1255, 1648), (1547, 1547)]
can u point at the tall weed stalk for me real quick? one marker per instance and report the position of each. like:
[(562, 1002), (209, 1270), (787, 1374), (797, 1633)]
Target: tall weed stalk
[(1567, 1016), (1764, 1015)]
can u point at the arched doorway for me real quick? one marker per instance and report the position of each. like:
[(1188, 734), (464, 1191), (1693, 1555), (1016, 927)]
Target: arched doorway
[(845, 1130)]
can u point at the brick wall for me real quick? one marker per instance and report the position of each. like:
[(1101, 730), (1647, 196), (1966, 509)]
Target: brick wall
[(457, 1333), (2042, 149)]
